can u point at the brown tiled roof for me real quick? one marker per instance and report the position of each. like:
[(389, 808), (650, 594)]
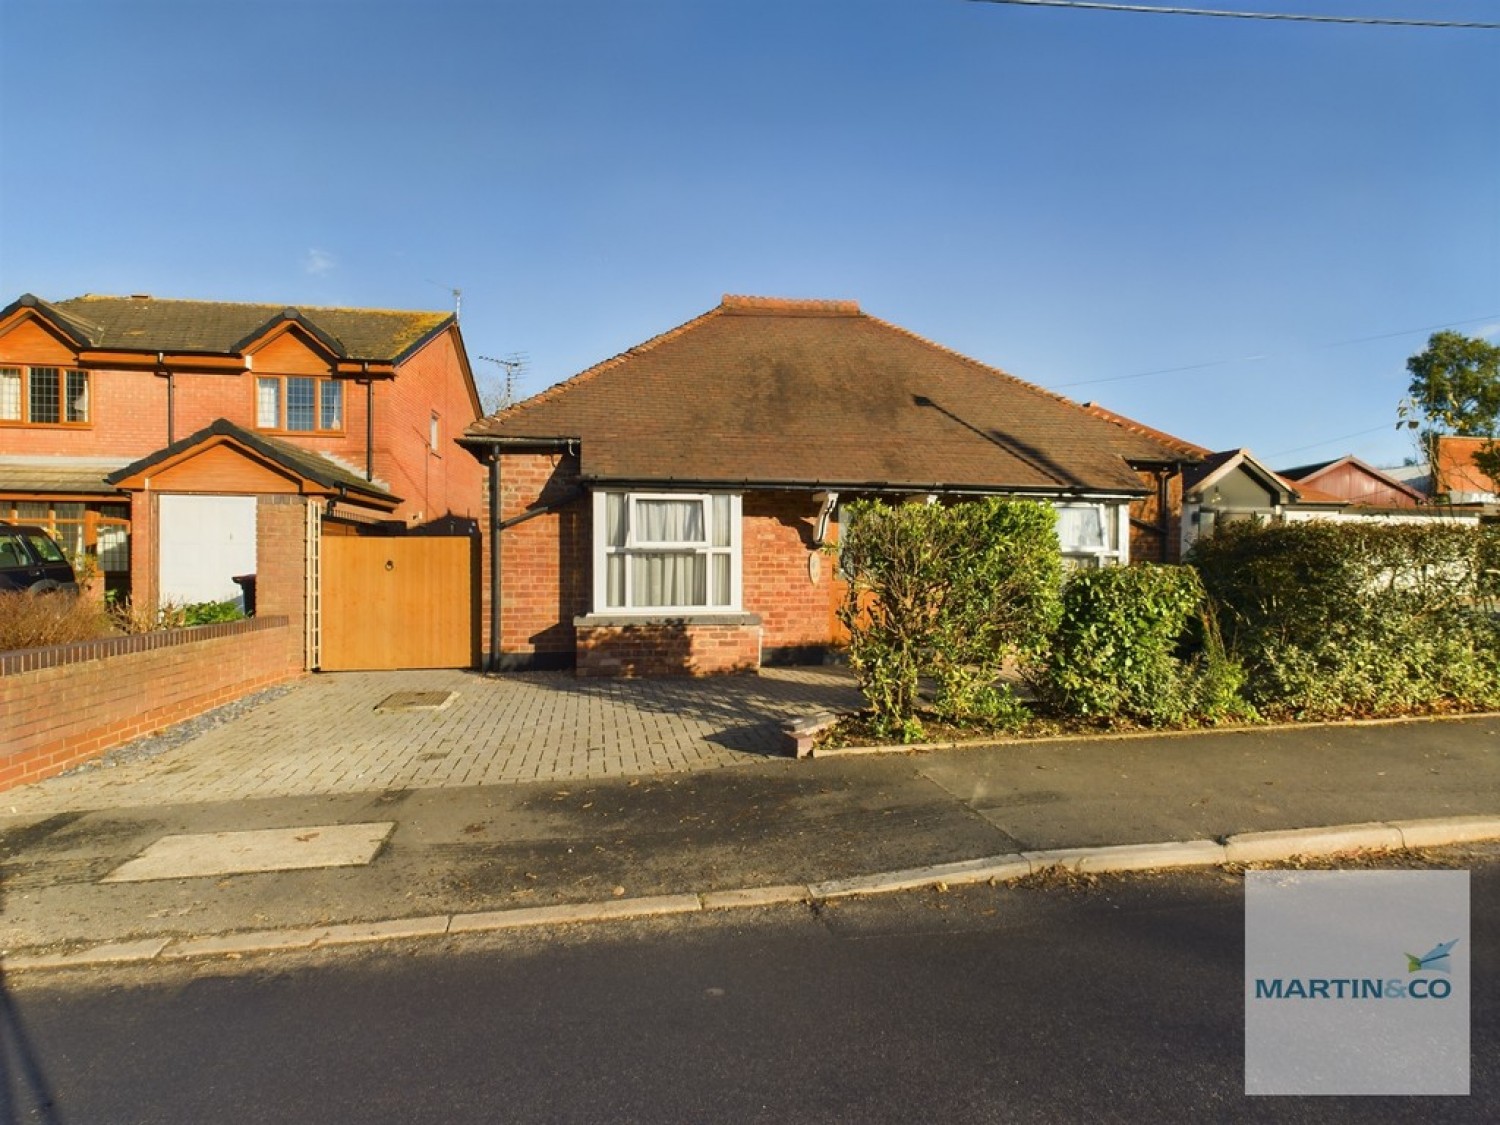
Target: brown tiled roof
[(225, 328), (307, 463), (1187, 449), (772, 391)]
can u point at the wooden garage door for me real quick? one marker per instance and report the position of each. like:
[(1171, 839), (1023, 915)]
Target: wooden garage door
[(397, 603)]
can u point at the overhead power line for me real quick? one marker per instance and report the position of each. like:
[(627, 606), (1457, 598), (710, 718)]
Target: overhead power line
[(1148, 9), (1278, 355), (1383, 428)]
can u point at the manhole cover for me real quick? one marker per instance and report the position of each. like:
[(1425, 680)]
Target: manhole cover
[(417, 701)]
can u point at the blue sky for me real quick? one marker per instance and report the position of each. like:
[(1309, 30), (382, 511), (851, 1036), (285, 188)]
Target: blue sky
[(1269, 217)]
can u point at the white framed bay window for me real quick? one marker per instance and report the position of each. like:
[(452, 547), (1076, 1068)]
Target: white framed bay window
[(1093, 535), (666, 552)]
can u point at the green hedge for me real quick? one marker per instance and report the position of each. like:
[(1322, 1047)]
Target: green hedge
[(1138, 643), (1341, 619)]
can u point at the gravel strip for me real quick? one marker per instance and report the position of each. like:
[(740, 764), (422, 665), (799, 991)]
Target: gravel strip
[(169, 738)]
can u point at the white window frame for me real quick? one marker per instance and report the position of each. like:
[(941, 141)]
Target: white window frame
[(603, 551), (1114, 518)]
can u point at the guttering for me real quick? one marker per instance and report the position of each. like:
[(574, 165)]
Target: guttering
[(560, 444), (865, 488)]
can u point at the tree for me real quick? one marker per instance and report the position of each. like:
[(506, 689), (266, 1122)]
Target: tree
[(1455, 389)]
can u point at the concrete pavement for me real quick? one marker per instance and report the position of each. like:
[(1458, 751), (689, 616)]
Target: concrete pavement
[(740, 827)]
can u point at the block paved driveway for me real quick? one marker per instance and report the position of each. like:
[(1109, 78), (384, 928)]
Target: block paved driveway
[(325, 735)]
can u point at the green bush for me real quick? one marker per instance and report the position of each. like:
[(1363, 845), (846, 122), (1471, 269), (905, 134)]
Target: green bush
[(211, 613), (950, 593), (1335, 619), (1124, 649)]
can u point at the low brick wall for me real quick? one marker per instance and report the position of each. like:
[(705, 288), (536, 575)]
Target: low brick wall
[(688, 646), (61, 705)]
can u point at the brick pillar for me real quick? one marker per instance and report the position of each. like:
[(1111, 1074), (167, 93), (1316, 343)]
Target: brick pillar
[(281, 564)]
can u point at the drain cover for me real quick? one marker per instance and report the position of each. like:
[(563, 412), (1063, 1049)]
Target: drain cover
[(417, 701)]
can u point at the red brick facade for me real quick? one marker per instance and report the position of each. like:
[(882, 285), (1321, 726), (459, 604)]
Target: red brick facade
[(128, 416), (544, 564), (65, 704), (1153, 539), (546, 585), (796, 611), (668, 648)]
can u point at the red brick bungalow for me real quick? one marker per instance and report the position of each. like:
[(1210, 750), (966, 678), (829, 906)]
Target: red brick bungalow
[(665, 511)]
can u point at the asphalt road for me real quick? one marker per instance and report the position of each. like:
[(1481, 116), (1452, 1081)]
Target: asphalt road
[(1119, 1001)]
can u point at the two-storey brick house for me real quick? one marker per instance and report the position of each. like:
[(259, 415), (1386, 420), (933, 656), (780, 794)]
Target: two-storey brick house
[(102, 398)]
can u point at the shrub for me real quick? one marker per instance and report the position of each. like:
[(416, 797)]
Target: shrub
[(37, 620), (947, 592), (1334, 619), (1116, 650), (211, 613)]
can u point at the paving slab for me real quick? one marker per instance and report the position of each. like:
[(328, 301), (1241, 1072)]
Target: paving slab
[(267, 849)]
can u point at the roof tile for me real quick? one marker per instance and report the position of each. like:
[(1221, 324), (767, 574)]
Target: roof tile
[(768, 390), (219, 327)]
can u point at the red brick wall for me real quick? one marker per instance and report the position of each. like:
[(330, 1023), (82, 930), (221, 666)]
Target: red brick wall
[(1145, 544), (281, 567), (432, 485), (545, 561), (129, 411), (547, 564), (796, 612), (68, 703), (667, 649)]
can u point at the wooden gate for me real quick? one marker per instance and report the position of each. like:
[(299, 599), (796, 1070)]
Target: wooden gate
[(402, 602)]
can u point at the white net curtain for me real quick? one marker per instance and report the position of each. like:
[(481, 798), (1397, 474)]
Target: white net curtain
[(667, 552)]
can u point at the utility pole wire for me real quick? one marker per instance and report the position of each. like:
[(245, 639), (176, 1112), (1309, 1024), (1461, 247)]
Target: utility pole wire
[(1368, 21), (1275, 355)]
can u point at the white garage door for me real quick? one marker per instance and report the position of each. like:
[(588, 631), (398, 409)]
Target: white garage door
[(205, 541)]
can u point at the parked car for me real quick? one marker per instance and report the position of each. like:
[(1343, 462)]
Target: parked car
[(30, 559)]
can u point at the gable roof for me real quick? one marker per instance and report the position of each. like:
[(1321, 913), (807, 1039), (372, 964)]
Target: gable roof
[(151, 324), (767, 391), (303, 463), (1307, 476)]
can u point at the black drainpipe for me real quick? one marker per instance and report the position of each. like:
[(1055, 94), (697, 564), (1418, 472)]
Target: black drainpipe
[(1163, 513), (493, 663), (163, 371), (369, 425)]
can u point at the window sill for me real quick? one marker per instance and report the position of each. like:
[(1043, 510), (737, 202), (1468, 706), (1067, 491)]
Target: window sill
[(617, 619)]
